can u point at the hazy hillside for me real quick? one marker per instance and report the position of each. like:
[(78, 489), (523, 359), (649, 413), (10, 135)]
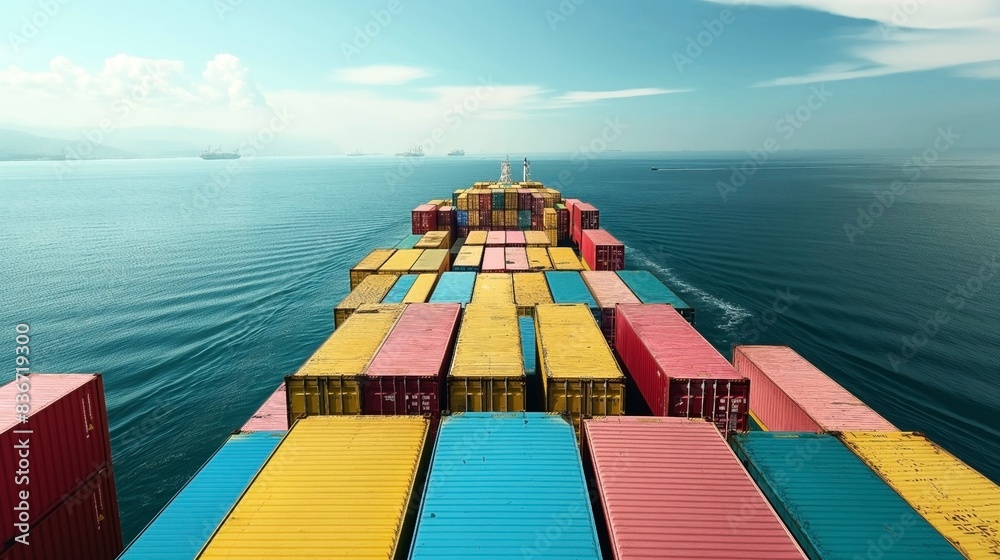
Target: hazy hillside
[(15, 145)]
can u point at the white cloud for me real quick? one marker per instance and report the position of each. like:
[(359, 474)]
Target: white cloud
[(381, 75), (588, 96)]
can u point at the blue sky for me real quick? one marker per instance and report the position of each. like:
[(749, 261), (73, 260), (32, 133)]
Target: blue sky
[(518, 75)]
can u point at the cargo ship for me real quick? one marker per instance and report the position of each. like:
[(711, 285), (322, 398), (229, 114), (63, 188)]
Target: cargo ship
[(458, 152), (470, 402), (209, 153)]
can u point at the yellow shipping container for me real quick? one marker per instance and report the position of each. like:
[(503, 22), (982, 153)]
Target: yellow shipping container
[(563, 258), (538, 258), (556, 195), (962, 504), (550, 200), (579, 373), (421, 289), (439, 202), (477, 237), (369, 265), (333, 488), (434, 240), (530, 289), (473, 219), (550, 219), (371, 290), (329, 383), (494, 288), (536, 239), (510, 218), (401, 262), (463, 201), (498, 217), (553, 235), (432, 260), (473, 201), (487, 371), (469, 257)]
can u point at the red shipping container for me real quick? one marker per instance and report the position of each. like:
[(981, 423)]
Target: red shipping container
[(424, 218), (585, 216), (407, 375), (562, 223), (494, 260), (67, 445), (446, 218), (496, 239), (515, 238), (537, 223), (463, 231), (515, 259), (486, 200), (791, 395), (485, 219), (271, 416), (537, 204), (524, 199), (677, 371), (601, 250), (86, 526), (609, 291), (671, 488)]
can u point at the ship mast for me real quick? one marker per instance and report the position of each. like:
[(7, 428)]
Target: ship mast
[(527, 171), (505, 170)]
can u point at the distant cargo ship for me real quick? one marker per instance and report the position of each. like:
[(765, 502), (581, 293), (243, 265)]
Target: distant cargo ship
[(219, 154), (413, 152), (456, 153), (357, 152)]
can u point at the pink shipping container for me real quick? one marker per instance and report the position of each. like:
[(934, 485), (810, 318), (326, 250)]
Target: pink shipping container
[(85, 527), (601, 250), (671, 488), (407, 374), (494, 260), (570, 204), (791, 395), (585, 216), (496, 238), (677, 371), (272, 416), (515, 238), (515, 259), (608, 290), (67, 445), (424, 218)]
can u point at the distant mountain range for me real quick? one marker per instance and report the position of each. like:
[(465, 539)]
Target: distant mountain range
[(16, 145)]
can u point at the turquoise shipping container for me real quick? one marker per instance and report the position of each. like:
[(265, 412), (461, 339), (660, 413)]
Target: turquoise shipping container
[(524, 219), (528, 348), (180, 530), (506, 485), (568, 287), (454, 287), (409, 241), (649, 289), (399, 289), (498, 199), (833, 504)]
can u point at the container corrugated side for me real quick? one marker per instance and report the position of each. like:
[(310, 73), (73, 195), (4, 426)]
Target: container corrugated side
[(569, 287), (371, 290), (528, 347), (832, 502), (407, 374), (421, 288), (330, 380), (676, 370), (182, 527), (469, 258), (369, 265), (608, 291), (601, 250), (400, 262), (958, 501), (649, 289), (454, 287), (494, 289), (487, 370), (579, 373), (433, 261), (336, 487), (536, 239), (476, 238), (791, 395), (399, 289), (68, 443), (538, 258), (563, 258), (515, 259), (671, 488), (505, 486), (271, 416), (530, 289)]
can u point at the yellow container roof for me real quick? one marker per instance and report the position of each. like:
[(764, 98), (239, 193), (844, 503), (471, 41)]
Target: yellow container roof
[(374, 259), (530, 288), (431, 260), (563, 258), (371, 290), (489, 342), (336, 487), (534, 237), (469, 255), (477, 237), (351, 347), (538, 258), (402, 260), (494, 288), (421, 288), (572, 345)]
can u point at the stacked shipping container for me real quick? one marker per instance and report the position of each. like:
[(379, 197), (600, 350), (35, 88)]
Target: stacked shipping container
[(649, 289), (487, 370), (609, 291)]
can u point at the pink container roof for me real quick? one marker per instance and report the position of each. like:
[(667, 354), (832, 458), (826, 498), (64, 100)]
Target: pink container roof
[(425, 208), (271, 416), (516, 258), (494, 259), (515, 237), (496, 238), (608, 288), (45, 389), (418, 343), (671, 488), (601, 237)]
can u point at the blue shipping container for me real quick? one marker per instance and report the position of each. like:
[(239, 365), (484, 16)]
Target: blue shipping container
[(524, 219), (649, 289), (454, 287), (183, 527), (399, 289), (408, 242), (505, 485), (569, 287), (462, 217), (528, 348), (833, 504)]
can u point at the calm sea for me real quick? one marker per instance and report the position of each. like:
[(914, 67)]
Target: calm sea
[(195, 290)]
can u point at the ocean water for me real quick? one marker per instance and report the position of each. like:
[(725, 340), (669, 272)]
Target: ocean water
[(195, 289)]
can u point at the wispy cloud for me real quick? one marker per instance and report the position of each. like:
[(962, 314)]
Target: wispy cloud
[(589, 96), (381, 75)]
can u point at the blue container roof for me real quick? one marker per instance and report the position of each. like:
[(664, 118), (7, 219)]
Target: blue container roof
[(569, 287), (833, 504), (399, 289), (409, 241), (182, 528), (454, 287), (649, 289), (528, 348), (506, 485)]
